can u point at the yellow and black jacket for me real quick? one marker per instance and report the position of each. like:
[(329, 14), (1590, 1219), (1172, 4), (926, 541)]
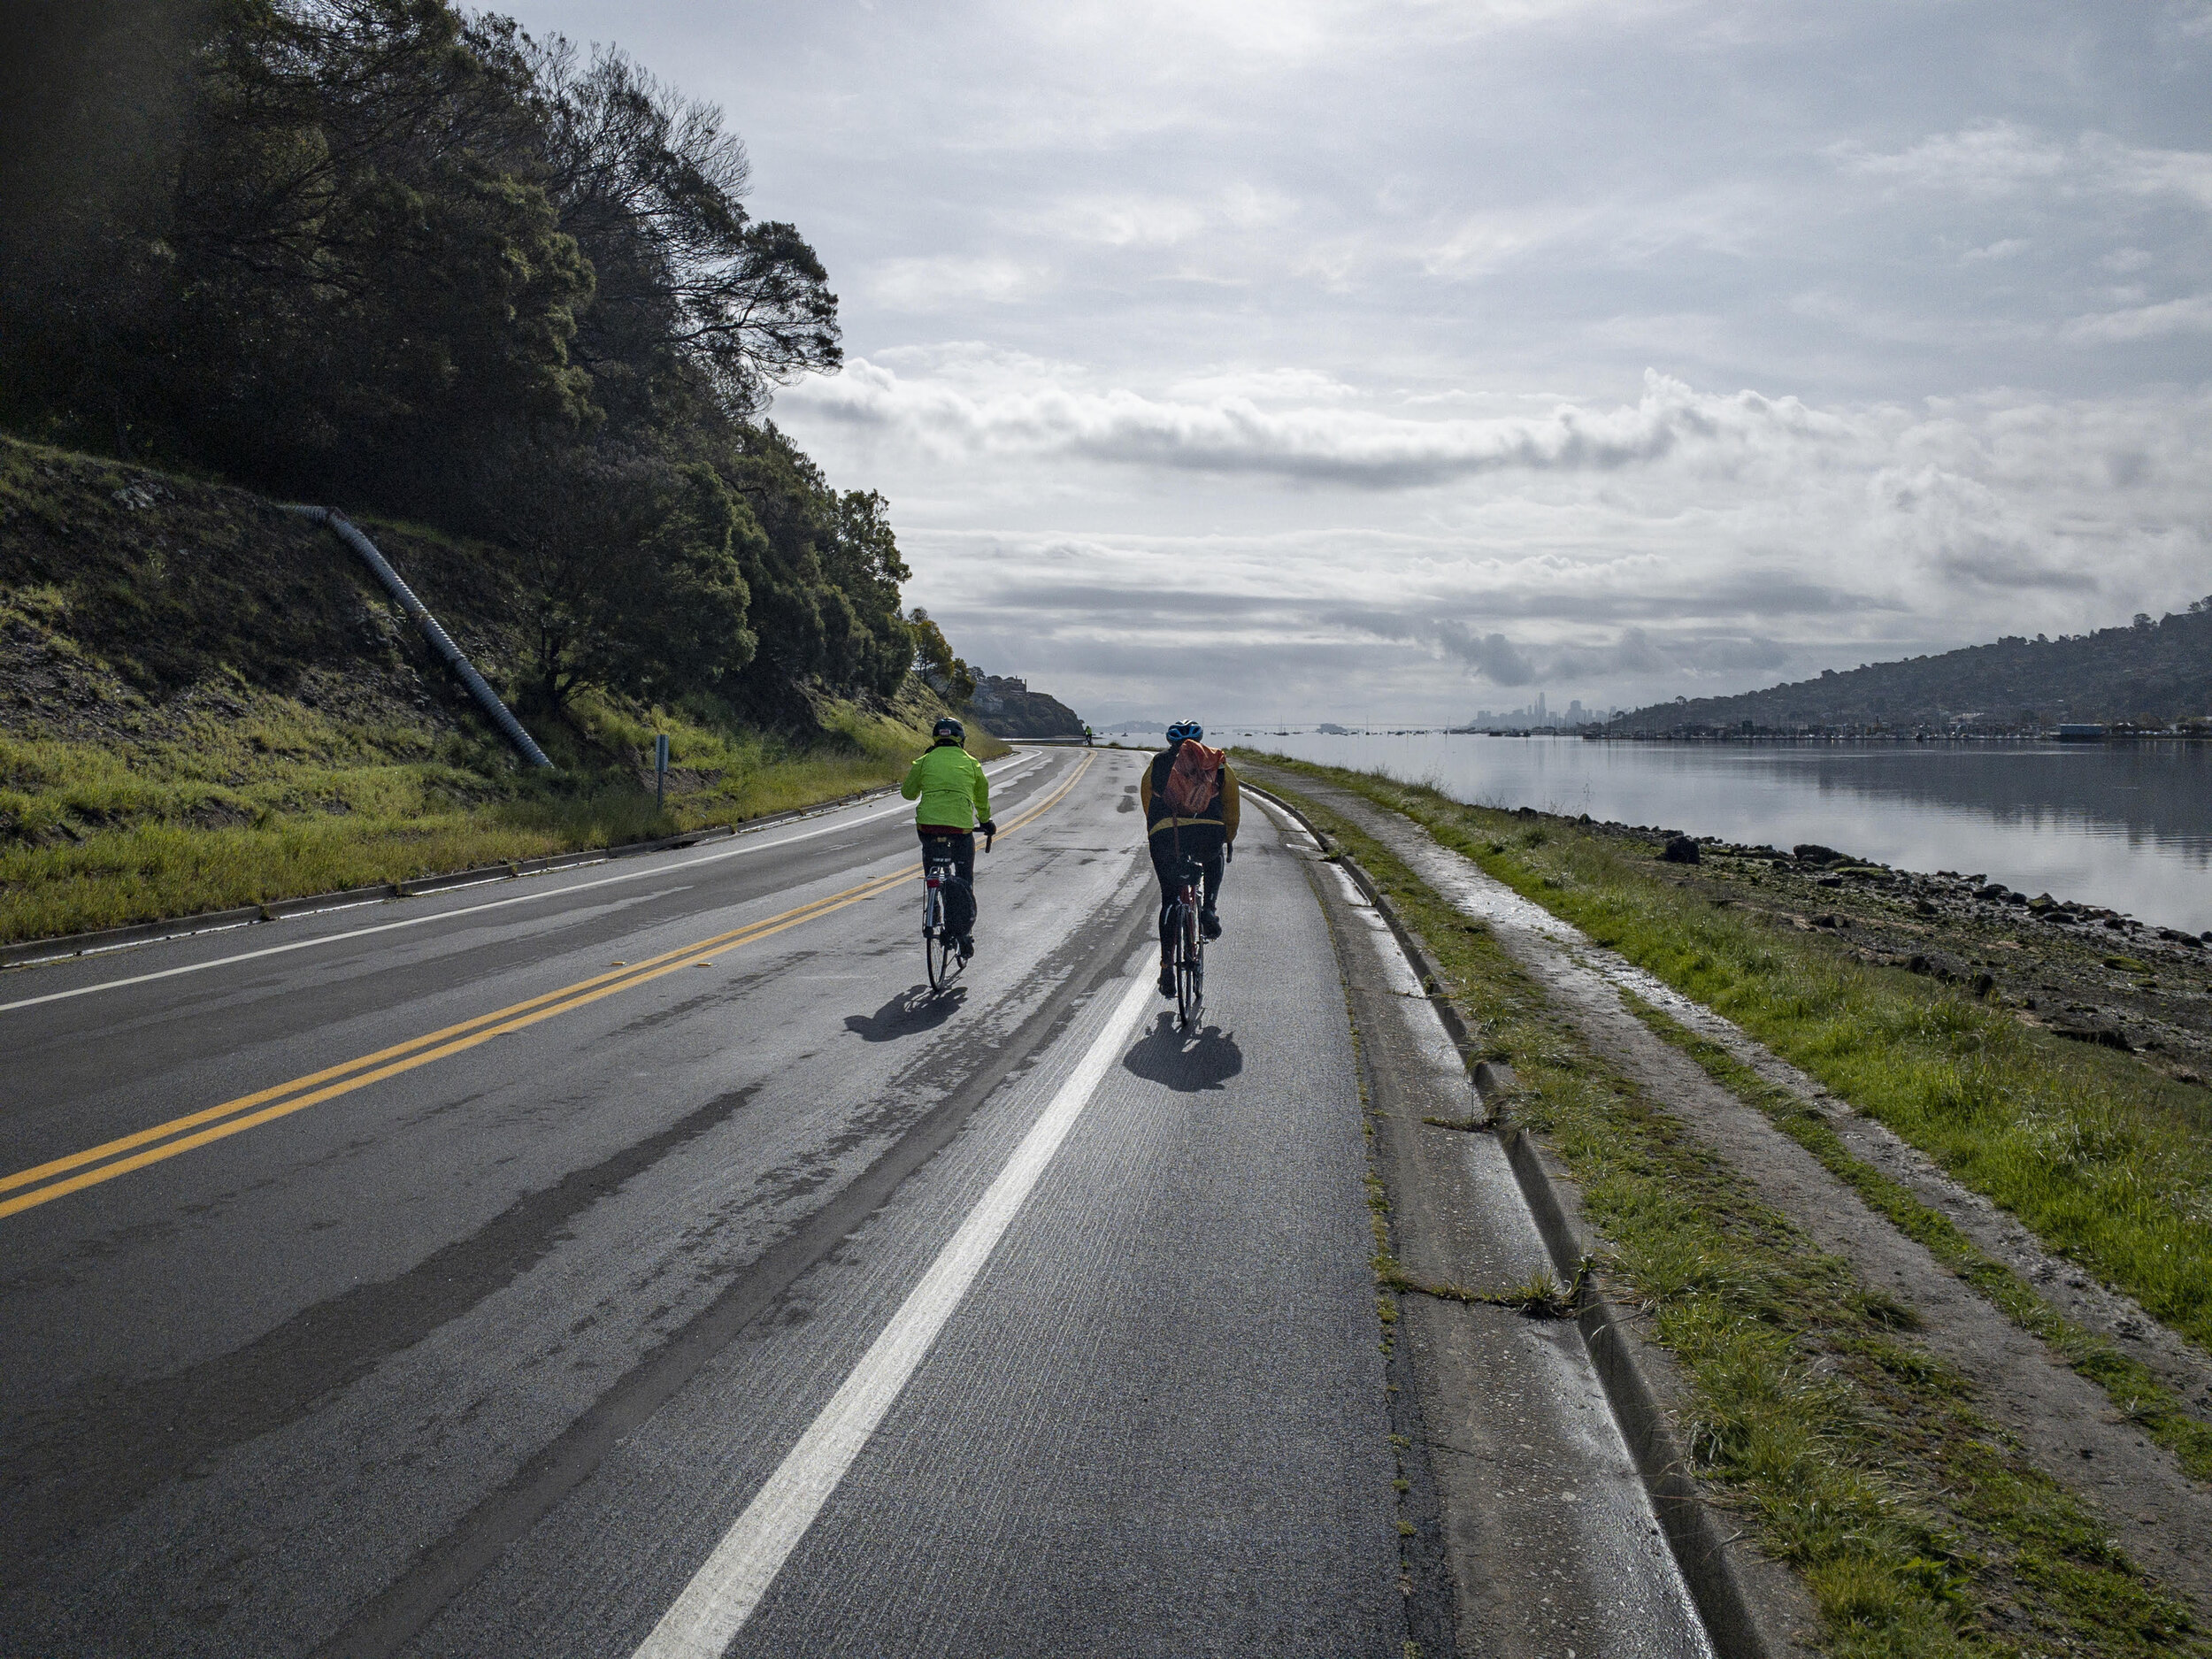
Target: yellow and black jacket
[(1152, 794)]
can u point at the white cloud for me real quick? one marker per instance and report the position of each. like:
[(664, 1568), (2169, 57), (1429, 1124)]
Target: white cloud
[(1230, 433), (1140, 220), (2190, 315), (939, 282), (2009, 247), (2183, 173), (1485, 243), (1990, 158), (1995, 158), (1123, 222), (1687, 541)]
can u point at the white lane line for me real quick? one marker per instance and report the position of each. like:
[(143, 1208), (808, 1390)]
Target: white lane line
[(723, 1595), (750, 846)]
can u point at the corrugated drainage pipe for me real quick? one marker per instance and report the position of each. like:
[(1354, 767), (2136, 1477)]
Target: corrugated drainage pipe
[(440, 641)]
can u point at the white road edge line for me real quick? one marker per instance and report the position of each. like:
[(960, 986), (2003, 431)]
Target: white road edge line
[(723, 1595), (750, 846)]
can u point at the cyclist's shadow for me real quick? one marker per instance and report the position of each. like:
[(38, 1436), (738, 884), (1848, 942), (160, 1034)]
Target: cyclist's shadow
[(1188, 1062), (916, 1008)]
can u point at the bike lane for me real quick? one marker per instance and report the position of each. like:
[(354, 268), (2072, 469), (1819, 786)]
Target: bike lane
[(1155, 1422)]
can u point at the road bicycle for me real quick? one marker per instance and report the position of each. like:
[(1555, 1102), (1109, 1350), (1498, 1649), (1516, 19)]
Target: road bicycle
[(940, 945), (1186, 945)]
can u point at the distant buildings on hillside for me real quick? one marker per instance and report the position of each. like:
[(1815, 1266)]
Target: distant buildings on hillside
[(1538, 717)]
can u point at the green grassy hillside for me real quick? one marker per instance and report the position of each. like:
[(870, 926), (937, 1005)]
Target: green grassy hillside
[(2152, 672), (207, 702)]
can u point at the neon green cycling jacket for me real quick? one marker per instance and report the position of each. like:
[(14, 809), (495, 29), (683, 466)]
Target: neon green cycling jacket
[(954, 792)]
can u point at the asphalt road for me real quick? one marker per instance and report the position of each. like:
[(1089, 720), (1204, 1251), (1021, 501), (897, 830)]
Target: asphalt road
[(639, 1259)]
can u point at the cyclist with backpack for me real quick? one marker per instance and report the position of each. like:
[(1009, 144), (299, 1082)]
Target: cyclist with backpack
[(1189, 796), (954, 801)]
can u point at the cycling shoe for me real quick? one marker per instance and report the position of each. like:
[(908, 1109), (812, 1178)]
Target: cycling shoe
[(1167, 982), (1208, 924)]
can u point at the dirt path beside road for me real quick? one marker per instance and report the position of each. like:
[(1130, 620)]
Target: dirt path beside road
[(2066, 1424)]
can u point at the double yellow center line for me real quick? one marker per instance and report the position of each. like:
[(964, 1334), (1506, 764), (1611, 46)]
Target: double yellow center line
[(79, 1170)]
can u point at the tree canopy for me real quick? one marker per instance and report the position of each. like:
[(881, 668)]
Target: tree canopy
[(387, 253)]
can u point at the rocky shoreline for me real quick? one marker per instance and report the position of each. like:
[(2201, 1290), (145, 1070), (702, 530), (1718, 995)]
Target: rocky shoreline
[(2082, 972)]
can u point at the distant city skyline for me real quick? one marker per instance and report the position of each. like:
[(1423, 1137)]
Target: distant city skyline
[(1402, 359)]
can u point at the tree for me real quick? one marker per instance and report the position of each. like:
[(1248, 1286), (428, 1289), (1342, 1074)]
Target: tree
[(826, 597), (636, 576), (934, 659), (391, 255), (652, 189), (339, 259)]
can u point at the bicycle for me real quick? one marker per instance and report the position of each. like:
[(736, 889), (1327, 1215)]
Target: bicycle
[(1188, 946), (941, 947)]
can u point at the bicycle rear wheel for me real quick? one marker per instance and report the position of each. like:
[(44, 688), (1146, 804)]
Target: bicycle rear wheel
[(1190, 969), (944, 959), (939, 950)]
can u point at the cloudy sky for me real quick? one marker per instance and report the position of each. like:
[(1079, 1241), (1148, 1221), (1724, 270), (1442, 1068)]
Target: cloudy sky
[(1303, 359)]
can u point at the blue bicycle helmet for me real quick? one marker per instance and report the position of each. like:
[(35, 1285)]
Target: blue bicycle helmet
[(1182, 729)]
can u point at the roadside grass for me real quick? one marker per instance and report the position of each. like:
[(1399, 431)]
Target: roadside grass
[(2133, 1388), (2107, 1160), (1918, 1526), (261, 797)]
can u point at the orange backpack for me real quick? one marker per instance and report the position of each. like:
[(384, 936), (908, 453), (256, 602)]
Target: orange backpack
[(1194, 782)]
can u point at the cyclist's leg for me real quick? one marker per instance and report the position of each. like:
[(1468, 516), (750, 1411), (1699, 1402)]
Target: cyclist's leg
[(963, 866), (1213, 863), (1163, 867)]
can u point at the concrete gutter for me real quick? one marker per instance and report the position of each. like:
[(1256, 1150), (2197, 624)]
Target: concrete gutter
[(1747, 1604)]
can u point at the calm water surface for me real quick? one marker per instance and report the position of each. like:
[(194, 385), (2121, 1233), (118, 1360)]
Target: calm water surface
[(2124, 824)]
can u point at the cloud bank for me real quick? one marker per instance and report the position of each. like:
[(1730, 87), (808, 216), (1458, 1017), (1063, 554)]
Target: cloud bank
[(1387, 360)]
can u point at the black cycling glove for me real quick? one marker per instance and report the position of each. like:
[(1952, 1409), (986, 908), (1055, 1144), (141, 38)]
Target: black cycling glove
[(989, 829)]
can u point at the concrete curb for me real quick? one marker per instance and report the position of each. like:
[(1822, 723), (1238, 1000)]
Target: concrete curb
[(27, 952), (1699, 1548)]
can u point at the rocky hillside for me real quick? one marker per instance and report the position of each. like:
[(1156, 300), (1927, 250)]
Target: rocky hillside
[(2153, 672), (1006, 707)]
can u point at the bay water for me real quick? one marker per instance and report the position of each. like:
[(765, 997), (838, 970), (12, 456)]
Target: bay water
[(2127, 826)]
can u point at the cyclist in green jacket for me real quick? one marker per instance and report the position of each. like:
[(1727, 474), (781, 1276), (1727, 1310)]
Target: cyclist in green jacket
[(954, 802)]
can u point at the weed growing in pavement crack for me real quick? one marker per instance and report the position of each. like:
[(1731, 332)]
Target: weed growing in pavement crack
[(1541, 1296), (1919, 1525)]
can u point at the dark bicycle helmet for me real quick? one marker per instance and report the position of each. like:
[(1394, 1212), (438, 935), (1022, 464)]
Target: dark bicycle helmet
[(948, 728), (1182, 729)]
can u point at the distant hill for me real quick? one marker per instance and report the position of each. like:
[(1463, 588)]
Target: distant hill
[(2149, 673), (1006, 707)]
